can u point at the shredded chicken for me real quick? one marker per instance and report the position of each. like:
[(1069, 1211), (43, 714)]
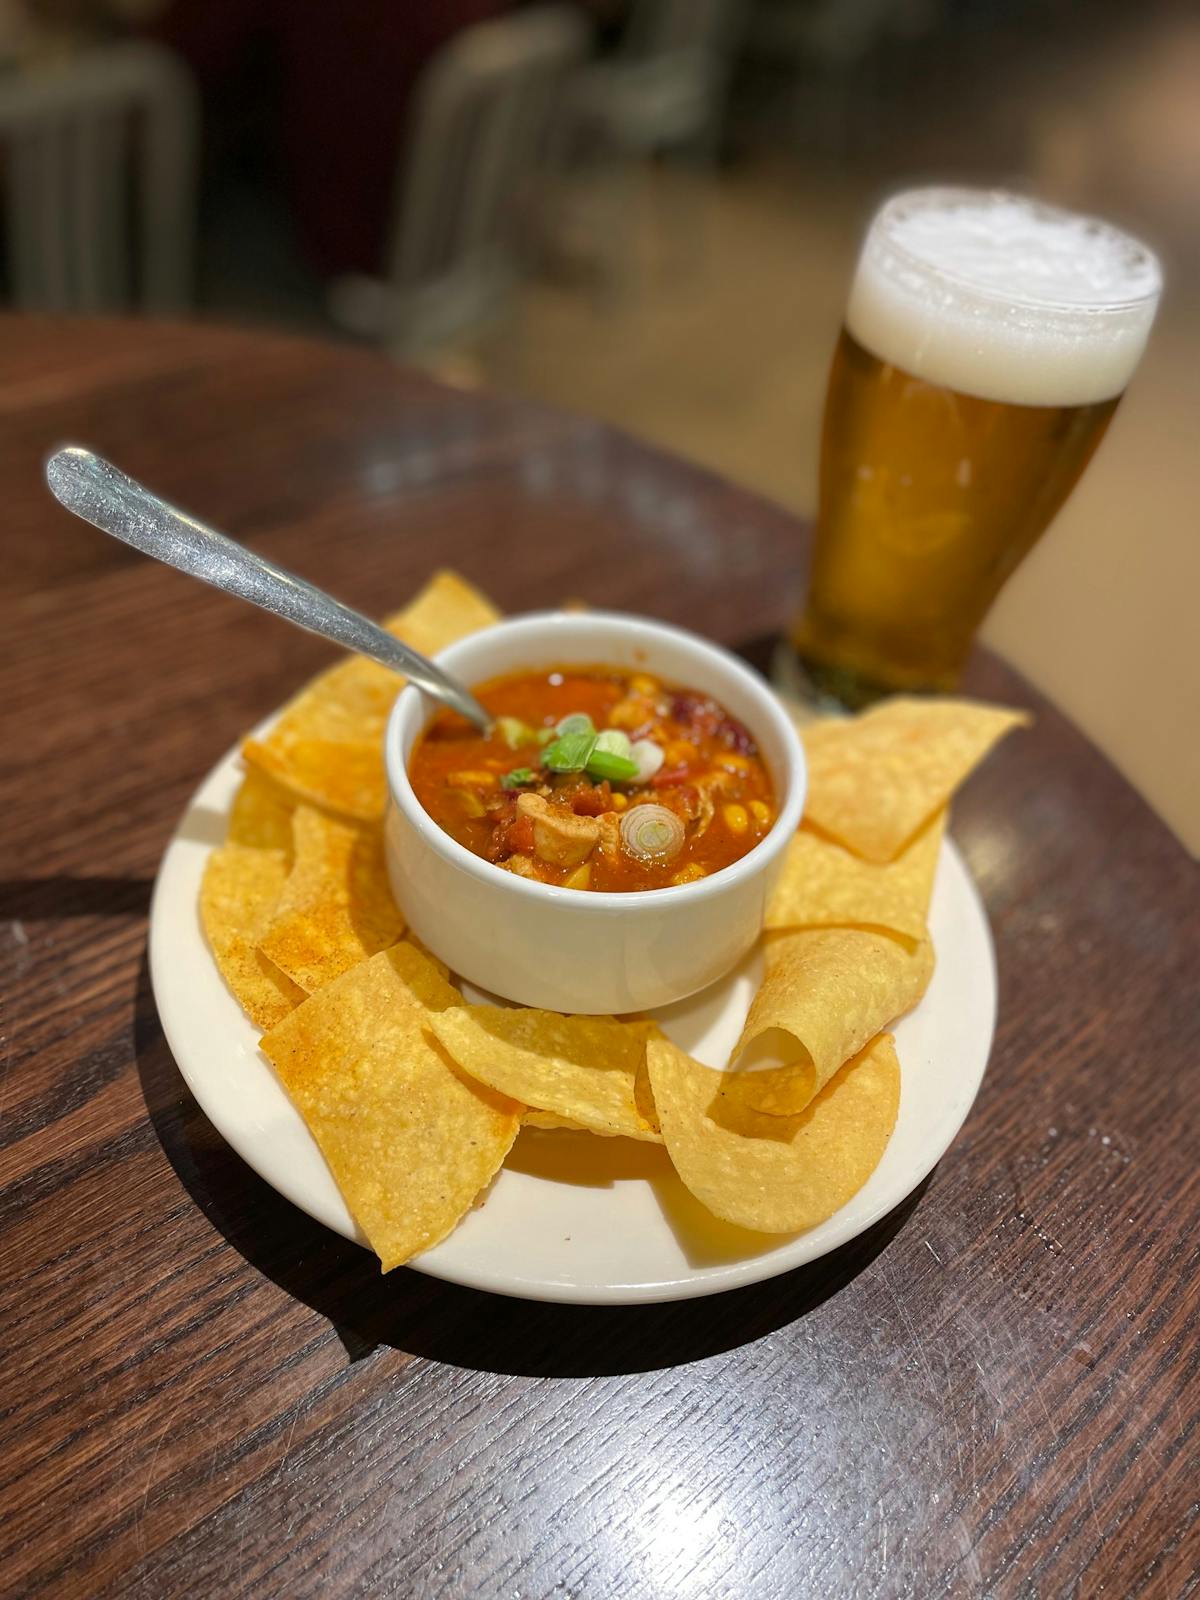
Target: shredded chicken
[(521, 865), (559, 837), (610, 835), (707, 807)]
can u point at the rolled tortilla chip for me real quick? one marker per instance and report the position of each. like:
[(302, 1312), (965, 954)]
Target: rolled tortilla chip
[(827, 992), (776, 1174)]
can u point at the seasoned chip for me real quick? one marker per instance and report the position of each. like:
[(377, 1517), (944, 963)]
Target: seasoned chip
[(346, 703), (776, 1174), (827, 991), (240, 889), (447, 608), (581, 1068), (345, 775), (435, 961), (336, 908), (547, 1122), (824, 886), (326, 746), (410, 1141), (875, 779), (261, 815), (643, 1094)]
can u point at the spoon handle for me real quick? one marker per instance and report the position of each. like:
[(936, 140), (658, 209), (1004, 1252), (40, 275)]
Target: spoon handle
[(115, 503)]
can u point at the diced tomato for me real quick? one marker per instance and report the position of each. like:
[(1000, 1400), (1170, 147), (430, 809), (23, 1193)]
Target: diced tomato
[(520, 836), (666, 777), (512, 834), (592, 799), (683, 800)]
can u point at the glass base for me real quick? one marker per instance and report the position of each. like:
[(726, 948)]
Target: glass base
[(796, 688), (816, 689)]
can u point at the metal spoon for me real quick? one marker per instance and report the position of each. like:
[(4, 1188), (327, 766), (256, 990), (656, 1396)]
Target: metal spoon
[(113, 502)]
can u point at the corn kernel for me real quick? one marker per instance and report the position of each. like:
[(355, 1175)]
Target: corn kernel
[(619, 800), (472, 780), (469, 804), (735, 818), (680, 753), (581, 878), (641, 683), (761, 812), (732, 762), (689, 874), (627, 714)]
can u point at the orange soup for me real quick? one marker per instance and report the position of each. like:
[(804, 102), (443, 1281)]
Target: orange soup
[(596, 778)]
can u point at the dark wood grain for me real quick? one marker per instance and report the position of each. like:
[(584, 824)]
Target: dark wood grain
[(204, 1393)]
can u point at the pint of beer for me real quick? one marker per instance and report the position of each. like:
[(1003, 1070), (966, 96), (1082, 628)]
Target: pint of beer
[(986, 344)]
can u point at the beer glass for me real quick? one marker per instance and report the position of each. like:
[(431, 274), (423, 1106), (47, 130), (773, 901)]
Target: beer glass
[(987, 342)]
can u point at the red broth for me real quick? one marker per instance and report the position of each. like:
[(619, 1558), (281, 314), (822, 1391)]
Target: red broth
[(501, 797)]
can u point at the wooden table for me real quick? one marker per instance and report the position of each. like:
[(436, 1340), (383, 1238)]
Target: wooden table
[(204, 1393)]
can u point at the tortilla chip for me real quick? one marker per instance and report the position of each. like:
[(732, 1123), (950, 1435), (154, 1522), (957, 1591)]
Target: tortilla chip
[(344, 775), (327, 745), (336, 908), (549, 1123), (434, 960), (827, 992), (875, 779), (447, 608), (776, 1174), (261, 815), (410, 1141), (824, 886), (643, 1095), (581, 1068), (237, 897)]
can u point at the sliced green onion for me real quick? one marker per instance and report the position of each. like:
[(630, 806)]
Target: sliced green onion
[(652, 833), (607, 764), (570, 752), (614, 740), (577, 722), (648, 757), (517, 778), (515, 733)]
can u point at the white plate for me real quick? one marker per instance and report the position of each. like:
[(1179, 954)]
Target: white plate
[(571, 1217)]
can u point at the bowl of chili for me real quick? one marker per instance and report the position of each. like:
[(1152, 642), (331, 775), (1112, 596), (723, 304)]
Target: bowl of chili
[(609, 846)]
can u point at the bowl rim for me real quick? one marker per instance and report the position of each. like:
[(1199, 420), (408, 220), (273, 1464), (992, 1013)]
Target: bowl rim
[(603, 902)]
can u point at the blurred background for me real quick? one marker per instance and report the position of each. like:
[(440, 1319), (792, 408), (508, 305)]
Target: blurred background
[(647, 210)]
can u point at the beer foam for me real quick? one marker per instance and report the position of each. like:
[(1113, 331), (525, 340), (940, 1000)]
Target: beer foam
[(1001, 297)]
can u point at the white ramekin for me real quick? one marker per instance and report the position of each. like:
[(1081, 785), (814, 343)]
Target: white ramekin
[(577, 950)]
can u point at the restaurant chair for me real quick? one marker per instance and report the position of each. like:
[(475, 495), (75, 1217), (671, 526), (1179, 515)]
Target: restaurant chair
[(665, 87), (663, 92), (99, 170), (478, 141)]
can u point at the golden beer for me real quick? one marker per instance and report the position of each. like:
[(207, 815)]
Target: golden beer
[(987, 343)]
